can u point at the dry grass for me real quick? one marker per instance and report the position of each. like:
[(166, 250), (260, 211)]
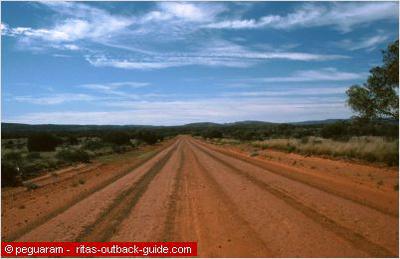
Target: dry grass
[(373, 149)]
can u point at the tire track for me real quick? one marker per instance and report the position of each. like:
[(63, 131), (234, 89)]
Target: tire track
[(39, 222), (231, 206), (355, 239), (307, 180), (106, 225), (168, 233)]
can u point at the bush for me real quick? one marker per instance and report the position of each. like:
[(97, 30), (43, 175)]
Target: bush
[(72, 140), (93, 144), (9, 175), (43, 142), (117, 138), (33, 155), (30, 169), (290, 148), (148, 137), (334, 130), (212, 133), (31, 186), (73, 155), (8, 144), (120, 149), (12, 156), (253, 154)]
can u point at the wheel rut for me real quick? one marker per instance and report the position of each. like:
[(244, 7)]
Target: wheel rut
[(46, 218), (106, 225), (168, 234), (355, 239)]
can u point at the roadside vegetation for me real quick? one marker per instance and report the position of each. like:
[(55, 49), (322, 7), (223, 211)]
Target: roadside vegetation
[(27, 154), (372, 149), (368, 141)]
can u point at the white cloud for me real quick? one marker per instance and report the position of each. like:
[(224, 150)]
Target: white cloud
[(72, 30), (84, 23), (342, 16), (191, 11), (368, 43), (320, 91), (112, 88), (115, 85), (166, 62), (89, 29), (213, 53), (54, 99), (326, 74)]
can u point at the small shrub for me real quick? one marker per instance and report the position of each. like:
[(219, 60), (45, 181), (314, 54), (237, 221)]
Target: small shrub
[(12, 156), (33, 155), (93, 144), (31, 186), (117, 138), (8, 144), (253, 154), (391, 158), (9, 175), (30, 169), (290, 148), (396, 187), (120, 149), (370, 157), (212, 133), (304, 140), (73, 155), (72, 140), (81, 181)]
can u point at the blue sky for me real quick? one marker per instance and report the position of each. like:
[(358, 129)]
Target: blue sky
[(170, 63)]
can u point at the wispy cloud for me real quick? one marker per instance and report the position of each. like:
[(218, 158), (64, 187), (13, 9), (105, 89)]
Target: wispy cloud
[(301, 91), (114, 85), (326, 74), (367, 43), (54, 99), (89, 29), (214, 53), (193, 12), (342, 16), (113, 88)]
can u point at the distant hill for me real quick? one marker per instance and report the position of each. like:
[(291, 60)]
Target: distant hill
[(201, 124), (259, 123), (18, 127), (328, 121)]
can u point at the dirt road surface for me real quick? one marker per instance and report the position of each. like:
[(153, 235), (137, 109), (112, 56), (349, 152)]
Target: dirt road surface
[(232, 205)]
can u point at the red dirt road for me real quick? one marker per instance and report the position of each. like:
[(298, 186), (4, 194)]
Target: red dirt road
[(231, 204)]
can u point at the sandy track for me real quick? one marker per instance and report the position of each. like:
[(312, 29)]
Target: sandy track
[(233, 206)]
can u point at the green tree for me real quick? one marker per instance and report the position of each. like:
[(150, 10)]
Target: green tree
[(378, 97), (43, 142)]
